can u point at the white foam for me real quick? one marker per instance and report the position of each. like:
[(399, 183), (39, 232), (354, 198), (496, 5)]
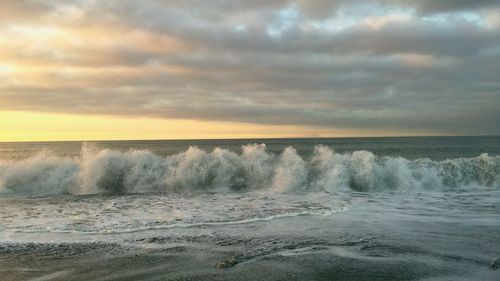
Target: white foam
[(134, 213), (118, 230), (140, 171)]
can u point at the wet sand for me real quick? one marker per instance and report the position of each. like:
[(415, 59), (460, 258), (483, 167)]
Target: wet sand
[(355, 245), (113, 262)]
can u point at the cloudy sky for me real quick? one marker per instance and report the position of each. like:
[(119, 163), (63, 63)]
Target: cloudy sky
[(87, 69)]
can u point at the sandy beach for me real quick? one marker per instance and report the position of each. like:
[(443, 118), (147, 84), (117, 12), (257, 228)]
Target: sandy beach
[(360, 244)]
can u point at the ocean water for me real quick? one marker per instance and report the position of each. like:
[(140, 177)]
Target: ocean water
[(425, 208)]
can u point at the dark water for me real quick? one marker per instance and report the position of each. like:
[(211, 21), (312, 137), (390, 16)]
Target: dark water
[(436, 148)]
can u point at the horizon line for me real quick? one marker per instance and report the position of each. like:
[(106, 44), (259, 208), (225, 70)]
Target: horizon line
[(257, 138)]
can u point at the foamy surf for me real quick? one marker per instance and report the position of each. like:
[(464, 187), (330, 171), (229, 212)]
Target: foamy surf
[(101, 215), (322, 213), (195, 170)]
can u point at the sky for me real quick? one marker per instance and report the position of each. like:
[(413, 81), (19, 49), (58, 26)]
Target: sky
[(123, 69)]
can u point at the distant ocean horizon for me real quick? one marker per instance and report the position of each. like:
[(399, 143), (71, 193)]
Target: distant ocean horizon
[(257, 138), (455, 146)]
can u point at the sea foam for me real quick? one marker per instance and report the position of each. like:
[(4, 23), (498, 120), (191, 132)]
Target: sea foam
[(195, 170)]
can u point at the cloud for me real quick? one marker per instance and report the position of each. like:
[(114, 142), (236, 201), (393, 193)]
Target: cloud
[(401, 65), (437, 6), (23, 10)]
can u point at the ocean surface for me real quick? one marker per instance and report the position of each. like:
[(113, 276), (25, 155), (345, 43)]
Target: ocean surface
[(413, 208)]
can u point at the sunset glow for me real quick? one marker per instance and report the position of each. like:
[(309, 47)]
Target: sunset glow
[(35, 126)]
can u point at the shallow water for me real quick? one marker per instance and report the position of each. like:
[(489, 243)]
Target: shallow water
[(109, 215), (350, 235)]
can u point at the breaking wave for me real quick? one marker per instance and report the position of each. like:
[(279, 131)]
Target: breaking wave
[(194, 170)]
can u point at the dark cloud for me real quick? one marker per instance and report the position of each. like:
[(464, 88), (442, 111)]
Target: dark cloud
[(437, 6)]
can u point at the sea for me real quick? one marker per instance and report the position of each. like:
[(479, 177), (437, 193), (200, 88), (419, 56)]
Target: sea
[(392, 208)]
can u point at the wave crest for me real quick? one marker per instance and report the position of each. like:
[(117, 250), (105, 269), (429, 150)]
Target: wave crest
[(108, 171)]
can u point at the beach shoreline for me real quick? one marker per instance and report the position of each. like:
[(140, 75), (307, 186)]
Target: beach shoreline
[(344, 246)]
